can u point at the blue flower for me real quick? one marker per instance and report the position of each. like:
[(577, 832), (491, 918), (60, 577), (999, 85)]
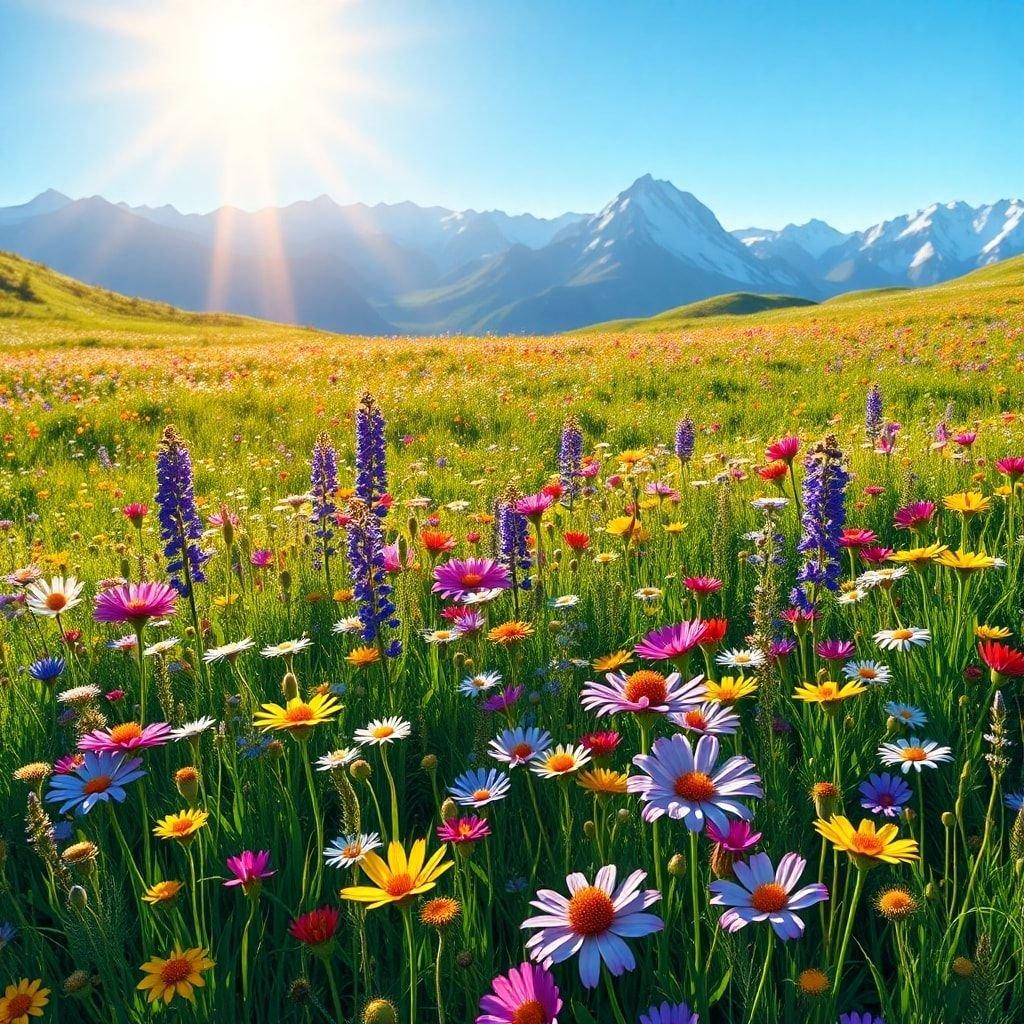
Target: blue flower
[(906, 714), (8, 932), (479, 787), (324, 479), (884, 794), (371, 455), (570, 456), (47, 669), (370, 579), (180, 525), (100, 777), (669, 1013)]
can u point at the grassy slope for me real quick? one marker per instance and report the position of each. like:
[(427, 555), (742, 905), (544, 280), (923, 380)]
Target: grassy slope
[(999, 283)]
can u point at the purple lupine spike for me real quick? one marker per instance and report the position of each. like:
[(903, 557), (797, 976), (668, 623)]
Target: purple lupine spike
[(180, 525), (324, 480), (685, 440), (370, 579), (873, 413), (371, 455), (570, 459), (823, 519)]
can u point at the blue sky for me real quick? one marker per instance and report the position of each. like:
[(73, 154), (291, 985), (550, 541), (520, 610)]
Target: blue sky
[(768, 112)]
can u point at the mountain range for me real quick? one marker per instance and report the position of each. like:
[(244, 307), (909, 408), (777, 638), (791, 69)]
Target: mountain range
[(404, 268)]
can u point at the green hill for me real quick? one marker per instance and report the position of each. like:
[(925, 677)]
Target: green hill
[(1002, 282)]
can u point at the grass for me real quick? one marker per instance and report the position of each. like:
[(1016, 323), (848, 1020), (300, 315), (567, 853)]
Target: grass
[(90, 380)]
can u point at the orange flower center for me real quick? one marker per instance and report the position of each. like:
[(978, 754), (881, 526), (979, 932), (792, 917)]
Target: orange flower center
[(125, 733), (646, 683), (828, 691), (352, 850), (182, 826), (481, 794), (696, 719), (591, 911), (560, 762), (399, 885), (868, 844), (901, 634), (769, 898), (695, 786), (530, 1012), (99, 784), (471, 579), (18, 1005), (176, 970), (866, 673), (522, 750), (300, 713), (382, 732), (55, 602), (915, 754)]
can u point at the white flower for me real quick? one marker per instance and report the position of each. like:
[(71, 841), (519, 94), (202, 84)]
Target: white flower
[(162, 646), (902, 639), (472, 685), (383, 730), (481, 596), (53, 598), (192, 729), (914, 753), (648, 593), (741, 658), (440, 636), (79, 694), (337, 759), (229, 651), (566, 601), (561, 760), (881, 577), (871, 672), (286, 648), (347, 851), (353, 624)]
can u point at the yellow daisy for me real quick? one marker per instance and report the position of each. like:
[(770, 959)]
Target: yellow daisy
[(610, 662), (917, 558), (828, 693), (401, 879), (177, 975), (992, 632), (730, 689), (181, 826), (298, 716), (24, 1000), (603, 781), (967, 561), (967, 503), (867, 846), (162, 892), (363, 657)]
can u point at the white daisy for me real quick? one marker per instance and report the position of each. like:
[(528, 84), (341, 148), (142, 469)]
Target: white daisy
[(871, 672), (162, 646), (383, 730), (472, 685), (286, 648), (353, 624), (228, 651), (902, 639), (347, 851), (741, 658), (337, 759), (190, 730), (914, 753), (54, 597)]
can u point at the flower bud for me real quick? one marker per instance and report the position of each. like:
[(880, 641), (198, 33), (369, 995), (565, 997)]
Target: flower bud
[(187, 782), (677, 865), (290, 686), (429, 763), (380, 1011), (449, 810), (361, 770), (78, 898)]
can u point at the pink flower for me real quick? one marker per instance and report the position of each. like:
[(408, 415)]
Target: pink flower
[(462, 576), (915, 516), (702, 584), (127, 736), (533, 506), (249, 870), (463, 830), (672, 641), (135, 603), (526, 993), (1012, 466), (783, 450)]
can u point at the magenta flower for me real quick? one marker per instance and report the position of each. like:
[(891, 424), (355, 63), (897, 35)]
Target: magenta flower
[(533, 506), (783, 450), (1012, 466), (135, 603), (914, 516), (460, 577), (526, 993), (835, 650), (504, 700), (459, 831), (127, 736), (672, 641), (739, 838), (249, 870)]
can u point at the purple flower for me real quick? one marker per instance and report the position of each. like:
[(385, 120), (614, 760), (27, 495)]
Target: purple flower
[(462, 576), (671, 642), (371, 455), (884, 794), (570, 457), (511, 532), (249, 870), (504, 700), (860, 1017), (593, 921), (642, 693), (739, 838), (180, 525), (762, 893), (684, 441), (533, 506), (369, 576), (873, 413), (324, 479), (527, 992), (101, 776), (669, 1013), (835, 650), (688, 784), (710, 718)]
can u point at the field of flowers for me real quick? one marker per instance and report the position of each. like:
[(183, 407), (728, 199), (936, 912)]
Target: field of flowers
[(620, 678)]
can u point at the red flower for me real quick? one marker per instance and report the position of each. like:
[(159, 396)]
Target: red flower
[(316, 928), (576, 541), (554, 489), (601, 744), (774, 471), (1002, 659), (135, 512), (702, 584), (856, 537), (784, 449), (714, 632), (437, 541)]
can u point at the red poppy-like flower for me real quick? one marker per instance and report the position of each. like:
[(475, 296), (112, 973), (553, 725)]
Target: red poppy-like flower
[(316, 928), (714, 632), (576, 541), (774, 471), (437, 541), (1002, 659), (601, 744)]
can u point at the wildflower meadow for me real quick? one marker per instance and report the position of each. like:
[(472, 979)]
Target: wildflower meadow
[(620, 678)]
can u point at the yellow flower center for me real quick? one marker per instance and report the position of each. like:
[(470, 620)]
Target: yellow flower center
[(646, 683), (591, 911), (298, 714), (560, 762), (125, 733), (382, 732), (901, 634), (695, 786)]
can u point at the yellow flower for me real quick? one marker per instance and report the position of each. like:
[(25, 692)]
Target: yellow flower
[(181, 826), (828, 693), (966, 561), (967, 503), (509, 633), (628, 528), (162, 892), (730, 689), (675, 527), (24, 1000), (177, 975), (363, 657), (440, 912), (298, 716), (603, 781), (866, 846), (610, 662), (631, 456), (917, 558), (225, 600), (991, 632), (401, 879)]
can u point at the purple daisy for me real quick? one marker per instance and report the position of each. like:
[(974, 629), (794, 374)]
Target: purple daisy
[(504, 700), (644, 692), (708, 719), (687, 783), (672, 641), (762, 893), (669, 1013), (461, 576), (526, 993), (460, 831), (135, 603), (884, 794), (593, 921)]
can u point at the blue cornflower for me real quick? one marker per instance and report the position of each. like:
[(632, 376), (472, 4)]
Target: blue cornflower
[(480, 786), (884, 794), (906, 714), (100, 777), (47, 669)]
